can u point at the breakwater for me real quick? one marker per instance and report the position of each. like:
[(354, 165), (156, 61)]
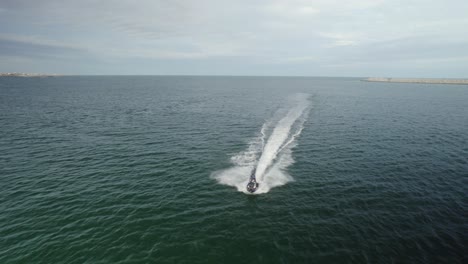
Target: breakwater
[(411, 80)]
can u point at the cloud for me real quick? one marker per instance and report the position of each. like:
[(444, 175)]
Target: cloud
[(291, 9), (281, 32), (35, 47)]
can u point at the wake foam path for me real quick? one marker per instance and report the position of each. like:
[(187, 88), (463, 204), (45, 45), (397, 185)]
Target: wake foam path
[(271, 151)]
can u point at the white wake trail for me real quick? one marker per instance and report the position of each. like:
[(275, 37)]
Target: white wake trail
[(278, 138), (270, 153)]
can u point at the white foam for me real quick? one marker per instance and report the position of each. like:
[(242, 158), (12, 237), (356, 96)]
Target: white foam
[(270, 152)]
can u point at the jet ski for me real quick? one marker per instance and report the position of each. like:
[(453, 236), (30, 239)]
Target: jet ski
[(253, 184)]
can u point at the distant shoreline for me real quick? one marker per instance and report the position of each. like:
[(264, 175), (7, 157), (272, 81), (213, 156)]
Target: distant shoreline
[(410, 80), (21, 74)]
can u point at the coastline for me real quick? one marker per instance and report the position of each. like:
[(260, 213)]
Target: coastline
[(417, 80), (27, 75)]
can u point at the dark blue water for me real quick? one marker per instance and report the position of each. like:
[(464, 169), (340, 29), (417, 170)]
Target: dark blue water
[(147, 170)]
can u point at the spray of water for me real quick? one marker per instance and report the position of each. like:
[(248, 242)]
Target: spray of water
[(270, 153)]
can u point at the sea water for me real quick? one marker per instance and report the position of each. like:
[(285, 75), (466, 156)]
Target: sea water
[(153, 169)]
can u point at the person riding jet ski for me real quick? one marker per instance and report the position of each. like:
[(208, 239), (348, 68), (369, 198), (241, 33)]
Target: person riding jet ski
[(253, 184)]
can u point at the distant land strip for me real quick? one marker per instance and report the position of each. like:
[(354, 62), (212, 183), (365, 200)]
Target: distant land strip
[(21, 74), (410, 80)]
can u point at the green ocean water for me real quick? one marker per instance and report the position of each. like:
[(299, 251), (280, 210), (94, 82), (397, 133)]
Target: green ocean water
[(147, 169)]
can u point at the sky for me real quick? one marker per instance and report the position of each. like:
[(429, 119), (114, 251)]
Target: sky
[(360, 38)]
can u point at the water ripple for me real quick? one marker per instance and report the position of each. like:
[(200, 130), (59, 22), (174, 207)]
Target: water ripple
[(117, 170)]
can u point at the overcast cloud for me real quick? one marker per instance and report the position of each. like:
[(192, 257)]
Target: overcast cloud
[(412, 38)]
